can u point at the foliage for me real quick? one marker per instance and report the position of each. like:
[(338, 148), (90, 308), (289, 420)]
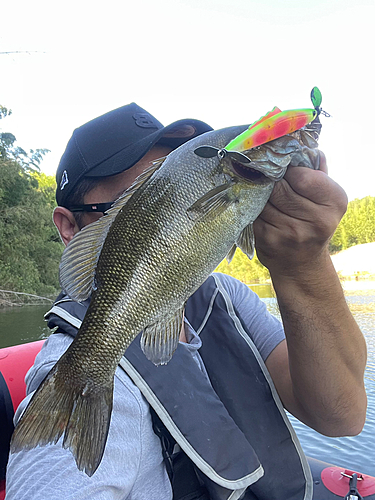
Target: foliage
[(357, 226), (247, 271), (8, 151), (30, 248)]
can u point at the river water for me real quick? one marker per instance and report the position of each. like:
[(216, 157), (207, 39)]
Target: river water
[(24, 324), (356, 452)]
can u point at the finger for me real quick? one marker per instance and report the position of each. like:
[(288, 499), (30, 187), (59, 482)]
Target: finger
[(287, 197), (313, 185), (272, 215)]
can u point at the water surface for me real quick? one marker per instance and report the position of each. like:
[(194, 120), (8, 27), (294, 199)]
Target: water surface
[(356, 452), (21, 324)]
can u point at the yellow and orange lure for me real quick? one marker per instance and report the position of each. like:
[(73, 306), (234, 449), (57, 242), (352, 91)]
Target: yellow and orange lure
[(274, 124)]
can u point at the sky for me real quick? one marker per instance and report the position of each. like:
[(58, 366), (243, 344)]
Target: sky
[(226, 62)]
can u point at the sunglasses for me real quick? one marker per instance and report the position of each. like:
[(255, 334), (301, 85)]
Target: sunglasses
[(92, 207)]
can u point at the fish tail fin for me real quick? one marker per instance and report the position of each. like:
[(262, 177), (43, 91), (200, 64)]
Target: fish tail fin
[(78, 409)]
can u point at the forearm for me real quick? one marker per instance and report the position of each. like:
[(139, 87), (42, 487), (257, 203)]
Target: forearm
[(326, 350)]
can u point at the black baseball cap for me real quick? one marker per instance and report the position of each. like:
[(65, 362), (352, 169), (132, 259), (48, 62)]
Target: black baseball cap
[(116, 141)]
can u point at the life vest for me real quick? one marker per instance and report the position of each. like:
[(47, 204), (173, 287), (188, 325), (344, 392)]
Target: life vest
[(232, 428)]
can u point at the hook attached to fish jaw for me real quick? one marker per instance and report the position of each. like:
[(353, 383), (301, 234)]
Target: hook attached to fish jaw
[(211, 152)]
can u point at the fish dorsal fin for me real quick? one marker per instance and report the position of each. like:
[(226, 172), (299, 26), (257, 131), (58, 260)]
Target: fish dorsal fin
[(79, 260), (246, 241), (160, 340), (231, 253)]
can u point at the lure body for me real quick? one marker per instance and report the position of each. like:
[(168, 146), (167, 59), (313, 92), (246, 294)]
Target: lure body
[(273, 125), (274, 112)]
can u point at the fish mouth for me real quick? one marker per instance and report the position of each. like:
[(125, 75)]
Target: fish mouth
[(248, 173)]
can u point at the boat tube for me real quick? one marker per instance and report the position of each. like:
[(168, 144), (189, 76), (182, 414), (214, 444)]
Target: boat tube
[(330, 481)]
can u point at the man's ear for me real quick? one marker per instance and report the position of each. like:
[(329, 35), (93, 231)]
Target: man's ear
[(66, 224)]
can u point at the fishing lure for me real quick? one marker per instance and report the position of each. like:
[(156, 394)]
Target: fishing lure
[(273, 125)]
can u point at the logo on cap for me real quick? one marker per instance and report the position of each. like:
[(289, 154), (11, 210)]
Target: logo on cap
[(64, 180), (144, 120)]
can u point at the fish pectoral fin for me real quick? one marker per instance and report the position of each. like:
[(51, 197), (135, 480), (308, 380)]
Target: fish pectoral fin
[(212, 204), (160, 340), (231, 253), (78, 408), (79, 260), (246, 241)]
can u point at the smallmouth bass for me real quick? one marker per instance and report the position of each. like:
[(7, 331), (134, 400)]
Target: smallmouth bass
[(141, 262)]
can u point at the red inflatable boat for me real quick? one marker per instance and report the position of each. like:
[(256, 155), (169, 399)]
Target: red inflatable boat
[(330, 482)]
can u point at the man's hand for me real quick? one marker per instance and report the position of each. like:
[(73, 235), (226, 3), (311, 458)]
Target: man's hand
[(299, 219)]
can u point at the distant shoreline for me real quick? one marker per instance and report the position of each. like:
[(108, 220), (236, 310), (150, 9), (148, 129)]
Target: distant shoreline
[(355, 267), (356, 263)]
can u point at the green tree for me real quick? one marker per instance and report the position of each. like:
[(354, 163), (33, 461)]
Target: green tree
[(30, 248), (9, 151), (357, 226), (244, 269)]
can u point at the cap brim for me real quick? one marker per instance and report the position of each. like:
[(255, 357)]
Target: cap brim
[(174, 135)]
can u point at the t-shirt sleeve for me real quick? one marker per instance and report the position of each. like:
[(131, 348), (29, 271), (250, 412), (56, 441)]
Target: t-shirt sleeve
[(265, 330)]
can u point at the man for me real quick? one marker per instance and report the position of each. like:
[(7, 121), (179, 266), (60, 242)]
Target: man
[(219, 404)]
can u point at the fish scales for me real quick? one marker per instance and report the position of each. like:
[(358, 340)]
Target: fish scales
[(158, 244), (166, 247)]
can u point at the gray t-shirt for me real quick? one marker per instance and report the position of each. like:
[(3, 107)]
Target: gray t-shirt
[(132, 467)]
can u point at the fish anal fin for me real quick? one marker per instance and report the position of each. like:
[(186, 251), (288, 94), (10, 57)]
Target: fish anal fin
[(246, 241), (160, 340)]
